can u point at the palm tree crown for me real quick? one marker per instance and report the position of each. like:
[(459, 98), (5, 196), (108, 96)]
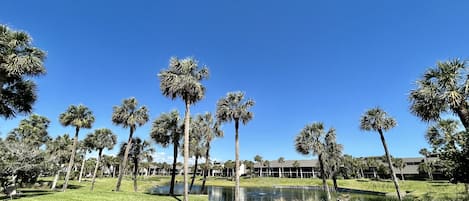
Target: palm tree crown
[(376, 119), (182, 79), (101, 139), (129, 115), (167, 129), (232, 108), (78, 116)]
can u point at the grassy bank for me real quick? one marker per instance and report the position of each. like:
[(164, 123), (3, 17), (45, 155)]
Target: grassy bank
[(421, 190)]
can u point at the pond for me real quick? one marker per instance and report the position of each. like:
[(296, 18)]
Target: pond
[(216, 193)]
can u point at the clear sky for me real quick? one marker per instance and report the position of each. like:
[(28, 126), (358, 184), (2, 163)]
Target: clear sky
[(301, 61)]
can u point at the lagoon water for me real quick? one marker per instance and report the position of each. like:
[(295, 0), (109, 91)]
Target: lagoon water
[(216, 193)]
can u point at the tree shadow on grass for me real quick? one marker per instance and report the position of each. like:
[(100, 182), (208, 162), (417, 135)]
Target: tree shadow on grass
[(28, 193)]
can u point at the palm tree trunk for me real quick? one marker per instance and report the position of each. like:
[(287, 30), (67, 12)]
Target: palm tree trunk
[(463, 115), (323, 176), (186, 150), (334, 180), (194, 172), (393, 174), (100, 151), (135, 174), (124, 161), (301, 172), (173, 173), (260, 173), (56, 179), (361, 172), (82, 168), (72, 159), (237, 160), (207, 163), (402, 174)]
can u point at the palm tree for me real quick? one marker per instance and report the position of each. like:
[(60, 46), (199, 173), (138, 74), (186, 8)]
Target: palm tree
[(32, 131), (139, 151), (197, 148), (183, 79), (19, 59), (443, 88), (166, 130), (267, 163), (425, 153), (399, 163), (296, 165), (99, 140), (128, 115), (311, 140), (83, 149), (210, 130), (259, 160), (378, 120), (281, 161), (233, 107), (79, 117), (334, 153), (59, 150)]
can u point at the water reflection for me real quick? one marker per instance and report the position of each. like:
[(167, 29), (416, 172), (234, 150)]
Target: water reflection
[(216, 193)]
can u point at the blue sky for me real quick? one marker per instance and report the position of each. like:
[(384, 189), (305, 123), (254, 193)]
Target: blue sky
[(301, 61)]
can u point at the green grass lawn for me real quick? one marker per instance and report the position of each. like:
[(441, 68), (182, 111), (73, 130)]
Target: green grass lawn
[(422, 190)]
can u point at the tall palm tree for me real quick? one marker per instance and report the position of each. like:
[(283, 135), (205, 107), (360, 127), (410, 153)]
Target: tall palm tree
[(425, 153), (166, 130), (59, 150), (311, 140), (183, 79), (281, 161), (210, 130), (19, 59), (378, 120), (233, 107), (259, 160), (128, 115), (79, 117), (140, 150), (99, 140)]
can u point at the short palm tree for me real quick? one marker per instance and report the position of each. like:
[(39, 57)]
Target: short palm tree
[(166, 130), (335, 156), (99, 140), (59, 150), (233, 107), (259, 160), (296, 165), (82, 150), (79, 117), (378, 120), (311, 140), (183, 79), (197, 148), (400, 164), (425, 153), (128, 115), (139, 151), (210, 130), (281, 161)]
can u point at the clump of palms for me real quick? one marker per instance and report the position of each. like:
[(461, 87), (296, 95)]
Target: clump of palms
[(140, 150), (128, 115), (378, 120), (99, 140), (235, 108), (311, 140), (167, 130), (183, 79), (79, 117)]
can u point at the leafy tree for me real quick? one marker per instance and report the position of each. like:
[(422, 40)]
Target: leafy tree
[(32, 131), (259, 160), (59, 151), (19, 59), (442, 89), (210, 130), (166, 130), (79, 117), (99, 140), (183, 79), (233, 107), (378, 120), (128, 115), (139, 151), (281, 161), (311, 140)]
